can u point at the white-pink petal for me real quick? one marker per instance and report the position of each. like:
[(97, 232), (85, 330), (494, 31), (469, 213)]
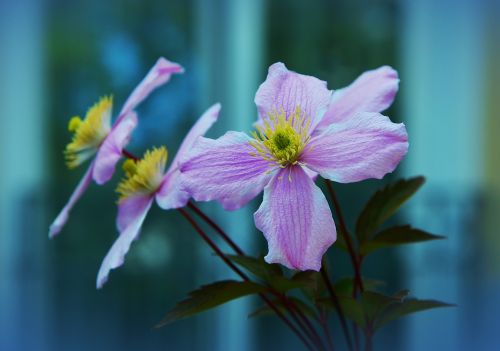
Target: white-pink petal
[(121, 246), (62, 218), (225, 170), (365, 146), (111, 148), (373, 91), (286, 90), (296, 220)]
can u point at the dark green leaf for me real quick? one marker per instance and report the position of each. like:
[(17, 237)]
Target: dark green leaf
[(344, 286), (384, 204), (311, 283), (299, 304), (374, 303), (351, 308), (406, 307), (396, 236), (210, 296), (256, 266)]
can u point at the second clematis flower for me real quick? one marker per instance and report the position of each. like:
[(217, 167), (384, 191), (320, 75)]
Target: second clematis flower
[(95, 136), (302, 130), (145, 181)]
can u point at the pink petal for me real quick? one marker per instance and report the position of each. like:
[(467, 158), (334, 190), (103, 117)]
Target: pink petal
[(296, 220), (129, 208), (284, 89), (116, 254), (365, 146), (159, 74), (171, 194), (373, 91), (62, 218), (224, 170), (111, 148)]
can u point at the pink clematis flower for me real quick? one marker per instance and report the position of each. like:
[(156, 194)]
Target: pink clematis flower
[(302, 130), (146, 180), (95, 136)]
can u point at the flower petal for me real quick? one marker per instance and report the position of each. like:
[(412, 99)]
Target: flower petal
[(62, 218), (373, 91), (284, 89), (171, 193), (224, 170), (296, 220), (116, 254), (367, 145), (110, 151), (159, 74), (129, 208)]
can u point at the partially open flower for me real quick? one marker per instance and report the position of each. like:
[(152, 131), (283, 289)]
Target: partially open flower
[(145, 181), (95, 137)]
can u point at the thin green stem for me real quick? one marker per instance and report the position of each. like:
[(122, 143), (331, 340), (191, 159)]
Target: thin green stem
[(336, 304), (219, 253)]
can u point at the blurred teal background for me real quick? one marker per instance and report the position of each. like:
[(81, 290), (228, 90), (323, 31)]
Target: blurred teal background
[(57, 57)]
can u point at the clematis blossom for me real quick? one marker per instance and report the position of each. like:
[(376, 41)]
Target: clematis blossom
[(302, 130), (146, 181), (95, 137)]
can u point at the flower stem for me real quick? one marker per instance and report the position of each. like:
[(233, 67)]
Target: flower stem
[(324, 324), (129, 155), (294, 311), (337, 305), (214, 247), (347, 238)]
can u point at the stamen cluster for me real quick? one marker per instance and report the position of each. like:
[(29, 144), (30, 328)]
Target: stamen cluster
[(282, 138), (143, 176)]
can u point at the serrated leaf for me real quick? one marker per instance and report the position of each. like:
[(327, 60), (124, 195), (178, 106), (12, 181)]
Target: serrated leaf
[(266, 310), (396, 236), (383, 204), (210, 296), (256, 266), (406, 307)]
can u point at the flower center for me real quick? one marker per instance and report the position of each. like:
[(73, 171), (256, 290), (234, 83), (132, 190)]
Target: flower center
[(281, 140), (143, 176), (88, 133)]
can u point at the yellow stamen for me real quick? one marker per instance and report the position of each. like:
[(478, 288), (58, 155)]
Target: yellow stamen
[(89, 133), (145, 175), (281, 140)]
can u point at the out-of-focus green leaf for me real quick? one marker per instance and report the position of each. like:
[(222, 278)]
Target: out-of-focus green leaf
[(374, 303), (396, 236), (257, 266), (384, 204), (340, 242), (299, 304), (352, 309), (344, 286), (210, 296), (405, 307), (311, 283)]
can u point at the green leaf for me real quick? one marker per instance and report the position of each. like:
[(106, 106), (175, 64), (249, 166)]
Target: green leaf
[(406, 307), (351, 308), (396, 236), (257, 266), (266, 310), (210, 296), (383, 204), (374, 303), (311, 283), (344, 286)]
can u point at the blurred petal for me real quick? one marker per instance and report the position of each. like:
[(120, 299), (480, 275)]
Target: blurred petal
[(61, 219), (159, 74), (129, 208), (203, 124), (365, 146), (111, 148), (296, 221), (171, 194), (284, 89), (224, 170), (116, 254), (373, 91)]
